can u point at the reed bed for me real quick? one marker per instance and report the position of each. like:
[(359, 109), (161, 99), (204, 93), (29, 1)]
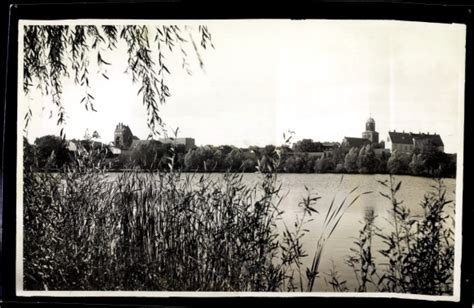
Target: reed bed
[(152, 231)]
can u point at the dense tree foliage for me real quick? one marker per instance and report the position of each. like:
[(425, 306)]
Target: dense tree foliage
[(325, 164), (307, 145), (350, 161), (51, 151), (149, 155), (366, 161), (398, 163)]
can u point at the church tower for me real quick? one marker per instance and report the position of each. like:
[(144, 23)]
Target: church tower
[(123, 136), (370, 132)]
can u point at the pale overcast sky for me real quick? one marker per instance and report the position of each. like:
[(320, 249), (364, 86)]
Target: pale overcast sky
[(321, 79)]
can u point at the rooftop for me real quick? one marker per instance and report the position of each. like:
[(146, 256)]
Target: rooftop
[(356, 142), (407, 138)]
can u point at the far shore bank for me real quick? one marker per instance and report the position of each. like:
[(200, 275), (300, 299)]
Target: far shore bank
[(256, 172)]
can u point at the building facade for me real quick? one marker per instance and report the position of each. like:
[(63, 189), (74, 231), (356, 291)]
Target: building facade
[(408, 142)]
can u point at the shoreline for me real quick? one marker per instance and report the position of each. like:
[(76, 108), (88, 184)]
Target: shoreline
[(256, 172)]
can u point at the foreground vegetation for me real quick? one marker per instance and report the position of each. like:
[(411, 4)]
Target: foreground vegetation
[(168, 231), (419, 250)]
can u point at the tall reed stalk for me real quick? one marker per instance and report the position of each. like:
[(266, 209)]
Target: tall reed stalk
[(331, 220)]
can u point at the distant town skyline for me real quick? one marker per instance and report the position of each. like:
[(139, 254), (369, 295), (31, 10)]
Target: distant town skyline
[(320, 79)]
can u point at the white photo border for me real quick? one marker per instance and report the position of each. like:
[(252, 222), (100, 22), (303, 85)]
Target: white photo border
[(455, 297)]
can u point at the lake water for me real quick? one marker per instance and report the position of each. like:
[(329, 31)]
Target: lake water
[(328, 186)]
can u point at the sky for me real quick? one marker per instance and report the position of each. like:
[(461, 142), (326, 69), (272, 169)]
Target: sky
[(321, 79)]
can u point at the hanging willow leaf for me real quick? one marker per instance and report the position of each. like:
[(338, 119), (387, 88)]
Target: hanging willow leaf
[(53, 52)]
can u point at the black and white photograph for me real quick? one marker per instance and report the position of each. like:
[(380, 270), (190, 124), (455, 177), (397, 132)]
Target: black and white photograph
[(250, 157)]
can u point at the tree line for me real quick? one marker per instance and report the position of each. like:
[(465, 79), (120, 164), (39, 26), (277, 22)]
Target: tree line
[(303, 157)]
